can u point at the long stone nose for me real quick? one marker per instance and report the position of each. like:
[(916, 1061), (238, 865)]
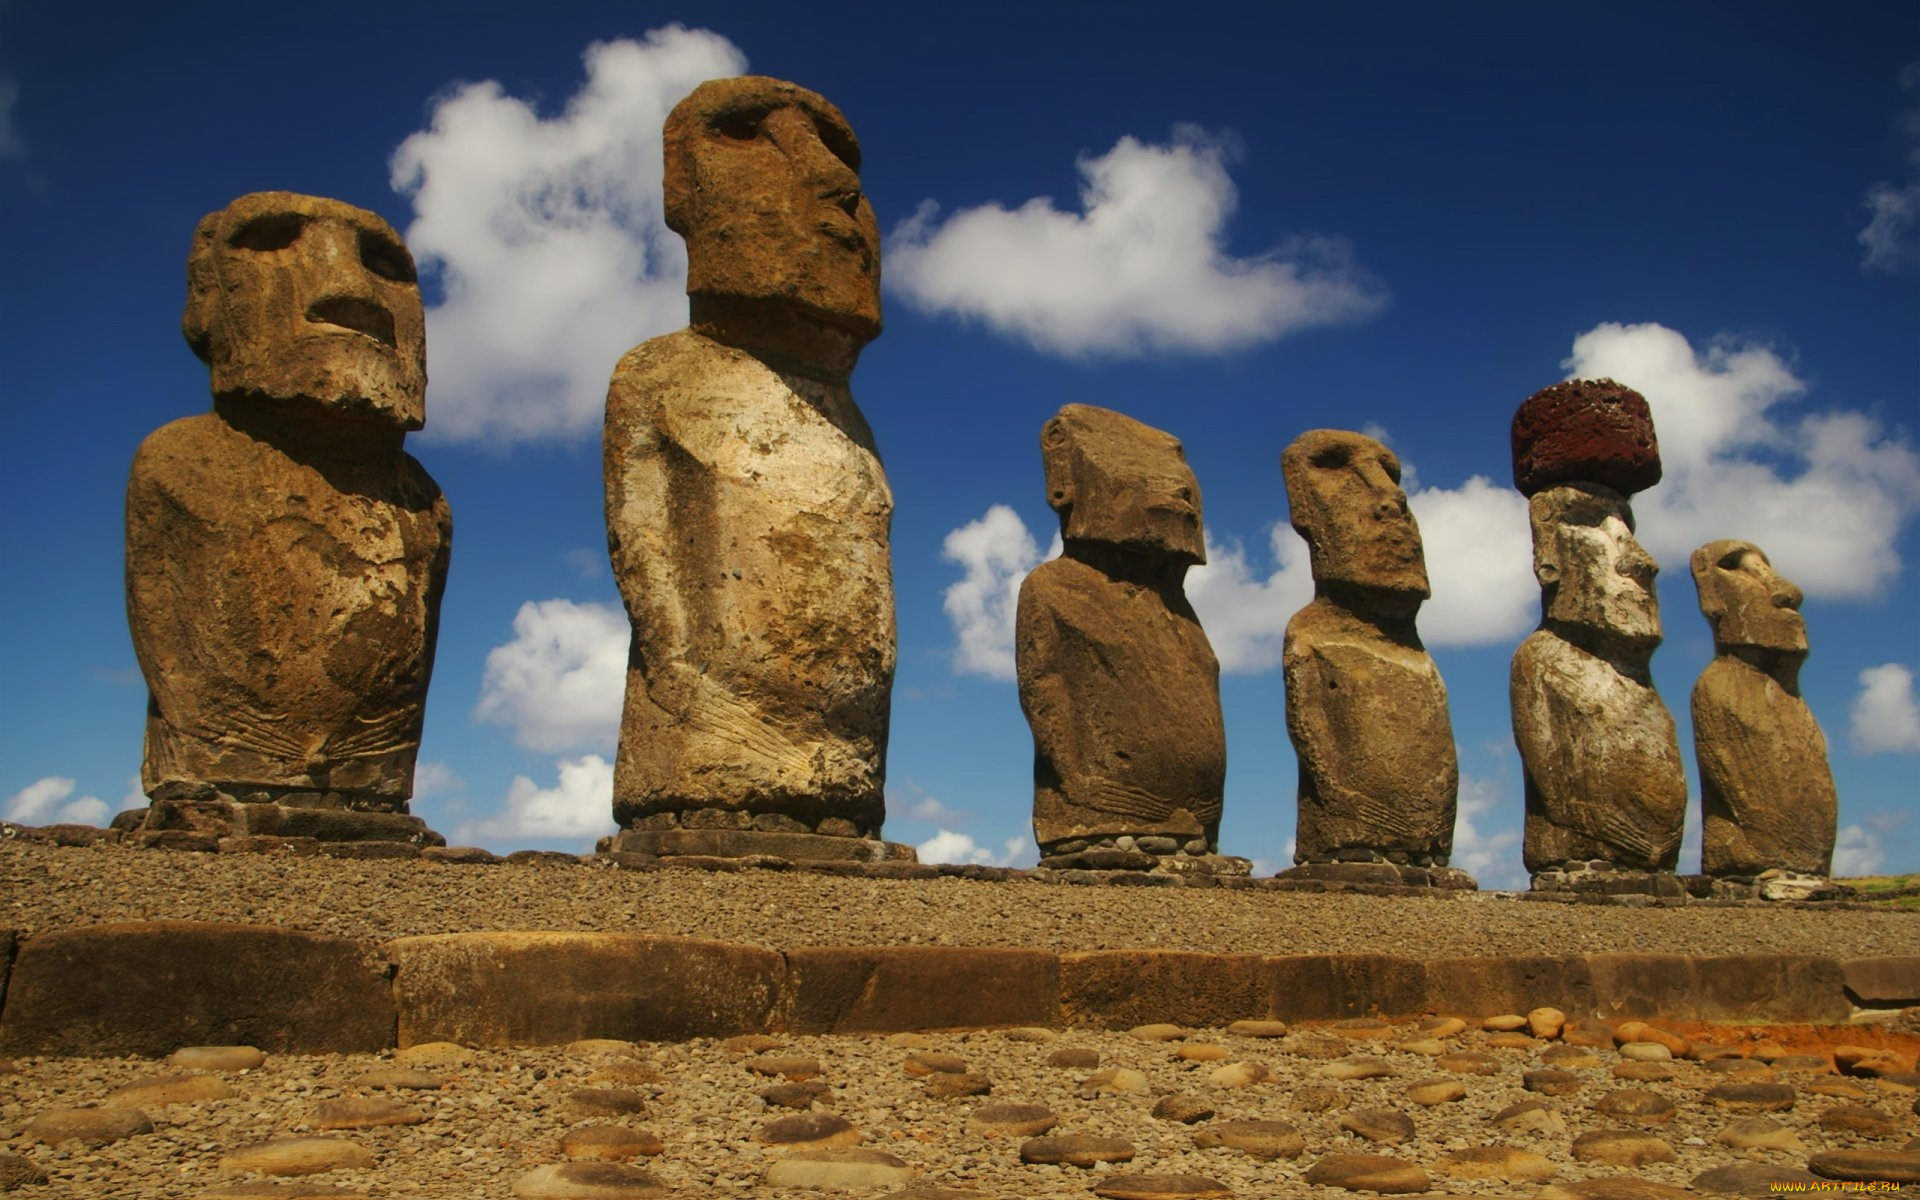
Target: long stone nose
[(1636, 563), (794, 132), (342, 290)]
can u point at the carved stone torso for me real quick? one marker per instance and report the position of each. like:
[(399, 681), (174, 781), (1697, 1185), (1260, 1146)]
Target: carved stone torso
[(1766, 790), (1122, 691), (283, 609), (748, 520), (1602, 760), (1368, 719)]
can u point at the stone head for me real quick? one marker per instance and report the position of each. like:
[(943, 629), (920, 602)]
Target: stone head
[(762, 179), (1593, 573), (305, 301), (1585, 431), (1745, 601), (1118, 482), (1343, 490)]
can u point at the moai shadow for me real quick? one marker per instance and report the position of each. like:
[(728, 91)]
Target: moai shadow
[(1117, 680), (747, 511), (285, 555), (1770, 811), (1366, 708), (1606, 796)]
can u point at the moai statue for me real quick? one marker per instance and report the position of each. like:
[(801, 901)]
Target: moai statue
[(1606, 795), (285, 555), (747, 512), (1366, 708), (1116, 677), (1765, 788)]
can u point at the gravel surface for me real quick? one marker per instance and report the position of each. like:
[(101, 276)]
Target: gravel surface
[(48, 887)]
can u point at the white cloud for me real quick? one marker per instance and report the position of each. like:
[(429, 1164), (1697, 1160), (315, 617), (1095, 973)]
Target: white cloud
[(579, 807), (947, 846), (560, 683), (1491, 856), (1825, 494), (1244, 612), (10, 144), (548, 237), (1141, 268), (436, 779), (912, 801), (1856, 852), (997, 551), (44, 802), (1889, 236), (1884, 718), (1479, 564)]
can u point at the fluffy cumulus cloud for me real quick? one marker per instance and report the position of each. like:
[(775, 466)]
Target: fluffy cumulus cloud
[(1479, 564), (547, 236), (1140, 268), (947, 846), (1857, 852), (995, 552), (1889, 240), (578, 808), (46, 801), (1491, 856), (1244, 605), (1824, 493), (560, 682), (1885, 719)]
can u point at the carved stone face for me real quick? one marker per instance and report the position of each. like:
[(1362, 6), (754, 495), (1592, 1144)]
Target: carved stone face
[(1345, 495), (1592, 570), (763, 181), (307, 300), (1116, 481), (1745, 601)]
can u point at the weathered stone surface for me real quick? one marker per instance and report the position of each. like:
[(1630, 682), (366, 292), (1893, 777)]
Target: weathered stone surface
[(1621, 1148), (1748, 1179), (1508, 984), (285, 555), (812, 1130), (260, 1189), (1883, 982), (1430, 1092), (610, 1142), (364, 1112), (1012, 1120), (88, 1126), (217, 1058), (1113, 1081), (1379, 1125), (1368, 1173), (1613, 1188), (840, 1170), (1310, 987), (749, 843), (1124, 988), (146, 987), (603, 1102), (518, 989), (1496, 1162), (1767, 793), (1076, 1150), (1637, 1105), (1752, 1097), (1863, 1120), (1257, 1139), (1599, 749), (747, 511), (589, 1181), (1585, 430), (17, 1171), (1117, 679), (882, 989), (1366, 708), (1861, 1166), (170, 1089), (297, 1156)]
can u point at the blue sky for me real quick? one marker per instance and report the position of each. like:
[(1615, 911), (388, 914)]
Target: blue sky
[(1237, 224)]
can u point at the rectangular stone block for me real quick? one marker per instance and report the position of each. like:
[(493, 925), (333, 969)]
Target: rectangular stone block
[(1888, 981), (1771, 987), (539, 989), (150, 987), (888, 989), (1118, 989), (1484, 987), (1316, 987), (1642, 986)]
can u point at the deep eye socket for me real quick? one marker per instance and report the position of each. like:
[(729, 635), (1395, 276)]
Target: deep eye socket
[(386, 258), (1330, 458), (1392, 468), (271, 231), (839, 142), (742, 126)]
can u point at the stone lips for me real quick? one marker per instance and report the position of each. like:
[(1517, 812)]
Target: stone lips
[(1585, 430)]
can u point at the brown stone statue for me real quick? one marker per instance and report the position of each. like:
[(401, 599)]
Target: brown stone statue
[(1116, 677), (1606, 795), (285, 555), (747, 512), (1766, 790), (1366, 708)]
